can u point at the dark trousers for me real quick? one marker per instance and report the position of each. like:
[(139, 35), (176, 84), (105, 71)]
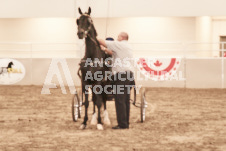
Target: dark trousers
[(122, 97)]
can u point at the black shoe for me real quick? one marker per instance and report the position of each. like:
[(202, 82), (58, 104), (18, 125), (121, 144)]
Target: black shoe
[(118, 127)]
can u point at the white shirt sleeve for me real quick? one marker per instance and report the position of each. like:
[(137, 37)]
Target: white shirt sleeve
[(112, 45)]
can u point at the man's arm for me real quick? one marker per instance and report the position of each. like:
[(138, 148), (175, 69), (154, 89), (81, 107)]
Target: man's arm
[(102, 42), (106, 50), (104, 46)]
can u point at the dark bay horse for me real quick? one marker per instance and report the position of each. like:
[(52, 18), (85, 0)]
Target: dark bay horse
[(93, 52)]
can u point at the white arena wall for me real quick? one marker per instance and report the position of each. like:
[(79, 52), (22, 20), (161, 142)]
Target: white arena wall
[(198, 73), (142, 29), (192, 73)]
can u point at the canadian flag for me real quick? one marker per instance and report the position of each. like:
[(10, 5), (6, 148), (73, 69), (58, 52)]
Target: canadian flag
[(224, 54)]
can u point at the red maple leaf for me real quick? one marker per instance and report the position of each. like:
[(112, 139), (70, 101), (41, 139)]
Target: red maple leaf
[(157, 63)]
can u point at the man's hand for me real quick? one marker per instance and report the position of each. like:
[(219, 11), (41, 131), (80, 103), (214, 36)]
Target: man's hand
[(102, 47), (106, 50)]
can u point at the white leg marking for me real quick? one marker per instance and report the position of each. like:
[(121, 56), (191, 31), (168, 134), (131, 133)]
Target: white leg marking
[(106, 118), (94, 119)]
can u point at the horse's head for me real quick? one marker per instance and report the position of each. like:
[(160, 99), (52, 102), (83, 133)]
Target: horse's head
[(10, 64), (84, 23)]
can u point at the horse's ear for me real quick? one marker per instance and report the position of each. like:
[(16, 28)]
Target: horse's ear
[(89, 11), (79, 10)]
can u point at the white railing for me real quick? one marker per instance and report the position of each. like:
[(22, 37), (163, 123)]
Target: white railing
[(76, 50), (41, 50), (178, 49)]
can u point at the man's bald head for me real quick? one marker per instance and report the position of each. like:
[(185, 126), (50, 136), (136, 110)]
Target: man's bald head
[(123, 36)]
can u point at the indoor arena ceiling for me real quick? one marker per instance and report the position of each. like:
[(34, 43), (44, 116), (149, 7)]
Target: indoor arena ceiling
[(111, 8)]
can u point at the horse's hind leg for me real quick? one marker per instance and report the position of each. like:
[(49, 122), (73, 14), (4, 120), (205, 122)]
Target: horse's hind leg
[(83, 126), (105, 114), (94, 103), (105, 104)]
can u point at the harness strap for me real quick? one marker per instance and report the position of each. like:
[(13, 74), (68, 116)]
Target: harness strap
[(93, 40)]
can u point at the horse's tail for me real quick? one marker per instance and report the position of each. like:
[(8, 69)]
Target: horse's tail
[(78, 73)]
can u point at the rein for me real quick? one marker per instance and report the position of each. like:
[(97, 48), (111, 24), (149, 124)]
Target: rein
[(92, 39)]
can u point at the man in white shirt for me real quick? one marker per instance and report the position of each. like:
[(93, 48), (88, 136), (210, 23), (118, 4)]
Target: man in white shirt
[(123, 74)]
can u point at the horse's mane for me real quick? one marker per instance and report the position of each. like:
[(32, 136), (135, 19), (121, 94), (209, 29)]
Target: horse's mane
[(95, 32)]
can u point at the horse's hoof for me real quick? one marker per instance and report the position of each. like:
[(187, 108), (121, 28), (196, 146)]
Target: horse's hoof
[(82, 127), (100, 127), (94, 119)]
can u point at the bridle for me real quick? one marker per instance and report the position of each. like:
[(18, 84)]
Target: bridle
[(86, 32)]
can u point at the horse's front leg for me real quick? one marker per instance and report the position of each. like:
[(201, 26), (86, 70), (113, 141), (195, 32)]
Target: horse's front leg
[(94, 117), (84, 124), (99, 100)]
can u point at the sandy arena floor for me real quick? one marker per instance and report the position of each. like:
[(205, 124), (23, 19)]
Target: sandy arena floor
[(176, 119)]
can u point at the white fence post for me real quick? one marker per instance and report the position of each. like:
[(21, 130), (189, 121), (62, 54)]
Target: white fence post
[(222, 63)]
